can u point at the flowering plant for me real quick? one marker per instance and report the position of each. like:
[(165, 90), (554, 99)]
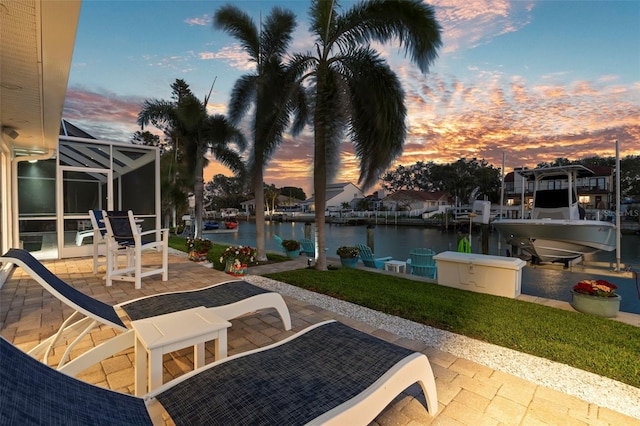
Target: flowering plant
[(599, 288), (291, 245), (242, 254), (346, 251), (198, 244)]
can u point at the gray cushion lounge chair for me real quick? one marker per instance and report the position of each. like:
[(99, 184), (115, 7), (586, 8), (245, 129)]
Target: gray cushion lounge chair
[(326, 374), (230, 299)]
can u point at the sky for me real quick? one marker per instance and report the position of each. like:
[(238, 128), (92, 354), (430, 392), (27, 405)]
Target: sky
[(525, 81)]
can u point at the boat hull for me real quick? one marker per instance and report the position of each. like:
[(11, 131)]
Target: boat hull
[(550, 240)]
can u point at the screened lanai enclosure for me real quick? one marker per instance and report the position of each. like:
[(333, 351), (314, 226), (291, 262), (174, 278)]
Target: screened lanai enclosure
[(55, 195)]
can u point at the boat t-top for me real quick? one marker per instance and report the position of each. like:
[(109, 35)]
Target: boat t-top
[(557, 230)]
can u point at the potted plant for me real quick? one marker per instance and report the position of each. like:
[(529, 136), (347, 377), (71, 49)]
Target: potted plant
[(198, 248), (292, 248), (596, 297), (237, 258), (348, 256)]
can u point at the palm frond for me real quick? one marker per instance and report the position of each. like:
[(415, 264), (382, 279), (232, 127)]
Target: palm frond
[(411, 22), (377, 127), (276, 33), (240, 26), (242, 97)]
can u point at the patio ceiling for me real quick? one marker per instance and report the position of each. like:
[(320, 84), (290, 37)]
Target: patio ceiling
[(36, 46)]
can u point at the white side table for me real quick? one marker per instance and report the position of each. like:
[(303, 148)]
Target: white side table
[(159, 335), (395, 266)]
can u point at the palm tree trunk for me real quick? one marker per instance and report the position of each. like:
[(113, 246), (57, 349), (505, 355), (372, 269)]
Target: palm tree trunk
[(198, 192), (258, 189), (320, 196)]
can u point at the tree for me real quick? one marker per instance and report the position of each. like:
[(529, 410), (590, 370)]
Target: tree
[(630, 176), (186, 120), (416, 177), (270, 89), (271, 194), (223, 191), (353, 89), (293, 192)]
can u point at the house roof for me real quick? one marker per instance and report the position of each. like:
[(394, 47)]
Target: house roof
[(597, 171), (68, 129), (333, 190)]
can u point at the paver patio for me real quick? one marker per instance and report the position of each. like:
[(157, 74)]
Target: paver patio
[(468, 393)]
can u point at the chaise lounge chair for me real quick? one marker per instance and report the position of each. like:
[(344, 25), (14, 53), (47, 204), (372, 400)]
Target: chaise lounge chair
[(368, 258), (326, 374), (230, 299)]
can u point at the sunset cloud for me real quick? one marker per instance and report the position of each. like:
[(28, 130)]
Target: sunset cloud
[(492, 90)]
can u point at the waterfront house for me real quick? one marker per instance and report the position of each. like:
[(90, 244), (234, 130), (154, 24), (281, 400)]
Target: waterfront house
[(337, 194)]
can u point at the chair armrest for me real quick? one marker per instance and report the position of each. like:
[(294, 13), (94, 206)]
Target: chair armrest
[(153, 231), (384, 259)]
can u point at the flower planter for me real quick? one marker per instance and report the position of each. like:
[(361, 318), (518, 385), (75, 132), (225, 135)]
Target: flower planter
[(293, 253), (606, 307), (197, 256), (349, 262), (232, 268)]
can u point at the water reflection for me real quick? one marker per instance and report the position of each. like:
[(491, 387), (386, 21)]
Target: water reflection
[(397, 241)]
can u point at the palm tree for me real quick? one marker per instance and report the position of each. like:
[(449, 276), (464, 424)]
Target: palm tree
[(270, 89), (194, 132), (354, 90)]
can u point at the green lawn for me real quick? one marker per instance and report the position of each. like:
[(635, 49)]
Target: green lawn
[(602, 346)]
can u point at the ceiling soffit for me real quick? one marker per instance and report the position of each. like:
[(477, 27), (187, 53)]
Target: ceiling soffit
[(36, 47)]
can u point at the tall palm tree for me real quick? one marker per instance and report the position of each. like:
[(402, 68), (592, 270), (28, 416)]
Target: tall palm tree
[(194, 133), (270, 89), (355, 93)]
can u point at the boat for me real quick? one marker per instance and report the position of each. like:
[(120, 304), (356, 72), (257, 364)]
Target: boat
[(231, 223), (210, 226), (556, 229)]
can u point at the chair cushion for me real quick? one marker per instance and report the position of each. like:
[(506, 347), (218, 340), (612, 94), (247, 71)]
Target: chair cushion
[(210, 297), (32, 393), (289, 384)]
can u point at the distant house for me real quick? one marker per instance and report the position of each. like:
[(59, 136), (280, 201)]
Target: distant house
[(337, 194), (421, 201)]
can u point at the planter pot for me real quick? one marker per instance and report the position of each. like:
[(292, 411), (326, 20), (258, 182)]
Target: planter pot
[(197, 256), (606, 307), (293, 253), (349, 262), (232, 269)]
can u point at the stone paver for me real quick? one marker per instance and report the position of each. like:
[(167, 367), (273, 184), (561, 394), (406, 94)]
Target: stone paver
[(468, 393)]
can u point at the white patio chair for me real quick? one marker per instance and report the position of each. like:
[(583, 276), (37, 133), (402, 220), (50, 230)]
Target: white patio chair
[(122, 230)]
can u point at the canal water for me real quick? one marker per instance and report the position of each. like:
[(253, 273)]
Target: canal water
[(397, 241)]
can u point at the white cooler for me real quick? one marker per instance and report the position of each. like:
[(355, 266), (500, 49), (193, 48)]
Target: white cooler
[(497, 275)]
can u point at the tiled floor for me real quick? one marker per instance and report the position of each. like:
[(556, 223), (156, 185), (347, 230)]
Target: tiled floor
[(468, 393)]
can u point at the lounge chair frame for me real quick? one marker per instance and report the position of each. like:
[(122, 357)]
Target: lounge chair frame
[(90, 313), (199, 397)]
